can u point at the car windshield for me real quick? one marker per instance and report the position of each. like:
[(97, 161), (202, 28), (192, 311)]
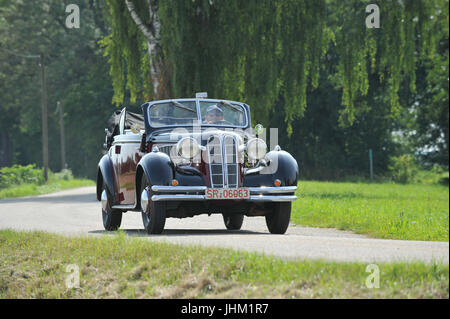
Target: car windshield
[(173, 113), (184, 113), (222, 113)]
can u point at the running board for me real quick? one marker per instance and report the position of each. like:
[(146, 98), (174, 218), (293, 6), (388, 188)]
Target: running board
[(124, 207)]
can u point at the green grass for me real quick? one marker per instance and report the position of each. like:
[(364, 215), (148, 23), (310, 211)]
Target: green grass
[(34, 264), (412, 212), (51, 186)]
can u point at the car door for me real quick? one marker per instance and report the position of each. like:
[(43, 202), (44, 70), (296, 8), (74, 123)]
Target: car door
[(114, 154), (126, 148)]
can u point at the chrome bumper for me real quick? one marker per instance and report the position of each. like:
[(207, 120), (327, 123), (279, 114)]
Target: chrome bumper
[(197, 193)]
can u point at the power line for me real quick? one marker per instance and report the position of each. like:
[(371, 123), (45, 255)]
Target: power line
[(20, 55)]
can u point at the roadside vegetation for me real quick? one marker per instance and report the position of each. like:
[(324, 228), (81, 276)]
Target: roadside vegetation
[(18, 181), (383, 210), (34, 265)]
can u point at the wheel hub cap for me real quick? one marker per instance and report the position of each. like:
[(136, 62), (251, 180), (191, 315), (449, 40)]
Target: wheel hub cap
[(104, 199), (144, 200)]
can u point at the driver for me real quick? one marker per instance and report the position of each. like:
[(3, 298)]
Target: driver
[(214, 114)]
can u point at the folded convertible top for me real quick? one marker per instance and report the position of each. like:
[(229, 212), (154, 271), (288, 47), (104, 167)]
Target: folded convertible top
[(130, 119)]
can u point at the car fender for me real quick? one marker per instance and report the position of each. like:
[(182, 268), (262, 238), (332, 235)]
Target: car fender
[(158, 168), (281, 165), (105, 173)]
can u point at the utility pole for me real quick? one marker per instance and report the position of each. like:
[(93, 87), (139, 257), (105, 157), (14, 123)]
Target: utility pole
[(61, 128), (44, 105), (371, 164), (44, 119)]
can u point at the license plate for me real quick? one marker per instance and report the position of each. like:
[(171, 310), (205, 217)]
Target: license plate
[(227, 193)]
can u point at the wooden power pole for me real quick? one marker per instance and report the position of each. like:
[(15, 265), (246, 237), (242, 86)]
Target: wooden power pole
[(61, 128), (44, 119)]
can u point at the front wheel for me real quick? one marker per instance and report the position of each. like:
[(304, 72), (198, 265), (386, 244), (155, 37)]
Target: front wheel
[(277, 218), (153, 213), (233, 221), (112, 218)]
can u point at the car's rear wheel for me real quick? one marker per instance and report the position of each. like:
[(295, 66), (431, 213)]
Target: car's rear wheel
[(233, 221), (112, 218), (278, 217), (153, 213)]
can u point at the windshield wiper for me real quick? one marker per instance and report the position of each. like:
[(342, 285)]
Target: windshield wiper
[(181, 106), (232, 106)]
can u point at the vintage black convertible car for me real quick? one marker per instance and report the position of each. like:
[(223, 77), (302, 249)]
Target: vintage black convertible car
[(185, 157)]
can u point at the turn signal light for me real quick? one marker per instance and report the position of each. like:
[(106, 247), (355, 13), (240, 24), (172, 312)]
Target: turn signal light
[(174, 182), (277, 182)]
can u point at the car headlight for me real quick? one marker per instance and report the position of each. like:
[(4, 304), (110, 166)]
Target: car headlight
[(256, 149), (188, 148)]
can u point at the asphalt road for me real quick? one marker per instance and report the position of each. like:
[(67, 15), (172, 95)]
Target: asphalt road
[(77, 212)]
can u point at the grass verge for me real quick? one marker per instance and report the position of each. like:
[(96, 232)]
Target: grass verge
[(34, 265), (50, 187), (412, 212)]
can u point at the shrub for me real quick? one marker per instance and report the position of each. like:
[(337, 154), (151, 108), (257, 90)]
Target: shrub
[(435, 175), (403, 169), (65, 174), (18, 174)]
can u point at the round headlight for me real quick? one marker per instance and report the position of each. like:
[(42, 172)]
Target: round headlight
[(256, 149), (188, 148)]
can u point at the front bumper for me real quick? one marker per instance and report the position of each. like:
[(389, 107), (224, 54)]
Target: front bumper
[(197, 193)]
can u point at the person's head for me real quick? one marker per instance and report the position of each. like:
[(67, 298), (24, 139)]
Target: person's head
[(213, 114)]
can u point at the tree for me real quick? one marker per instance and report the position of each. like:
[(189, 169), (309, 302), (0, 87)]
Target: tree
[(152, 33), (271, 48), (77, 75), (270, 53)]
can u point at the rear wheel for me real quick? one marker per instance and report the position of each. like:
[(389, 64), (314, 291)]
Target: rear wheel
[(112, 218), (277, 219), (153, 213), (233, 221)]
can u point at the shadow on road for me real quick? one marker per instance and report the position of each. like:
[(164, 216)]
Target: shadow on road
[(82, 198), (180, 232)]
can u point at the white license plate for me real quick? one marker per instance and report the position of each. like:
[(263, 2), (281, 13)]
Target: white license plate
[(227, 193)]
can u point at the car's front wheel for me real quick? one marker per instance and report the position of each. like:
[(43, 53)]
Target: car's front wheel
[(112, 218), (278, 217), (153, 213), (233, 221)]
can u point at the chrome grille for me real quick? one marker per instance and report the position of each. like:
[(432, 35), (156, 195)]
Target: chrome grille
[(166, 148), (215, 161), (223, 161)]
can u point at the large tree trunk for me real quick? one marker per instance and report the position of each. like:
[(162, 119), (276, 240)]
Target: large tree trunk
[(152, 33)]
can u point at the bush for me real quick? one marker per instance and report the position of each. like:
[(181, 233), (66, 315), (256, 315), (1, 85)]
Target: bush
[(65, 174), (403, 169), (18, 174), (435, 175)]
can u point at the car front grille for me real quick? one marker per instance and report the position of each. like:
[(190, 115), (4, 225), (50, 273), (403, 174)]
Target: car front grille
[(223, 161), (167, 149)]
